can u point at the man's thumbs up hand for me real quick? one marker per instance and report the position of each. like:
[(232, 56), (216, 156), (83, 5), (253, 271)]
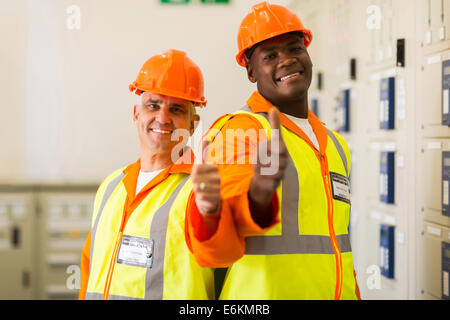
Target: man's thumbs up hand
[(206, 181), (271, 163)]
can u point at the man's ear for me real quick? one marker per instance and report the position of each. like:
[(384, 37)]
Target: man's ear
[(250, 72), (135, 113), (194, 123)]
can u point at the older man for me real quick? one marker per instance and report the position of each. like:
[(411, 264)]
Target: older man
[(136, 247)]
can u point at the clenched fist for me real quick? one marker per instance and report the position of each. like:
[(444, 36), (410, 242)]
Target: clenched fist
[(270, 165), (206, 181)]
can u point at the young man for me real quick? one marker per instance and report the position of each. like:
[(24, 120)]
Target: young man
[(136, 247), (308, 255)]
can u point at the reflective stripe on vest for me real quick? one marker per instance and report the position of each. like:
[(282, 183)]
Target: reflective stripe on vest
[(154, 278), (99, 296), (109, 190), (339, 149), (291, 242)]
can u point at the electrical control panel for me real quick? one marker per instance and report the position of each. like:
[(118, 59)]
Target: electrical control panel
[(445, 92), (387, 177), (387, 103), (315, 107), (445, 270), (343, 111), (65, 224), (387, 244), (17, 246), (446, 183)]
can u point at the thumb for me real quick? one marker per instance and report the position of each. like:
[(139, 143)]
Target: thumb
[(204, 151), (274, 120)]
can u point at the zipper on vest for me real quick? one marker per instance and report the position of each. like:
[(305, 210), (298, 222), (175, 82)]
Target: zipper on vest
[(337, 253), (112, 262), (111, 266)]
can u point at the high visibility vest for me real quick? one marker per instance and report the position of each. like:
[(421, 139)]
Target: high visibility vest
[(172, 272), (308, 255)]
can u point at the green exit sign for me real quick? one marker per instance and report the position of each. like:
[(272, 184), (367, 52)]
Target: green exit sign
[(215, 1), (175, 1), (202, 1)]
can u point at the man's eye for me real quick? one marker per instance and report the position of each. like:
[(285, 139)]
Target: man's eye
[(297, 49), (178, 110), (270, 56), (152, 106)]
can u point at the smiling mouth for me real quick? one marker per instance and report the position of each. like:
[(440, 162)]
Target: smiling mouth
[(161, 131), (289, 76)]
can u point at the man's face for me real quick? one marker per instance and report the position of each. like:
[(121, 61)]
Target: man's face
[(157, 117), (282, 68)]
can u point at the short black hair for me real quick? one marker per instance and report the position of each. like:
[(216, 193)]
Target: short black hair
[(248, 53)]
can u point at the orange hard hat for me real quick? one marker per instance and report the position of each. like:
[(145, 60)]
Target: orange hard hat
[(264, 22), (173, 74)]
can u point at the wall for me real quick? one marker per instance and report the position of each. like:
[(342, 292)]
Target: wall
[(66, 113)]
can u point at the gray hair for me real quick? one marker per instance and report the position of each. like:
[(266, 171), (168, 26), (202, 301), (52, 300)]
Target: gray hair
[(192, 104)]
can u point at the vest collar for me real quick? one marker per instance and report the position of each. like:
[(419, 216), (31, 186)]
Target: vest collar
[(258, 104), (183, 165)]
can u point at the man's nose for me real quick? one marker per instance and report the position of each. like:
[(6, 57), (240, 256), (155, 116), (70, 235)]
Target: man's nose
[(286, 60), (163, 116)]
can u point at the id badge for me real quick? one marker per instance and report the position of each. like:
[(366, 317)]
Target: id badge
[(136, 251), (340, 186)]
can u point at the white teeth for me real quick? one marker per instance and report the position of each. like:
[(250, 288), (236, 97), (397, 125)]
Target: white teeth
[(161, 131), (289, 76)]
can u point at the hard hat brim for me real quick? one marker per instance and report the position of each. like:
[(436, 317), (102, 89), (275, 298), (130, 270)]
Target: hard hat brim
[(241, 59), (139, 89)]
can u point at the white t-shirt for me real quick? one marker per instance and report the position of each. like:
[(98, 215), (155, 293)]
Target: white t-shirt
[(306, 128), (144, 178)]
